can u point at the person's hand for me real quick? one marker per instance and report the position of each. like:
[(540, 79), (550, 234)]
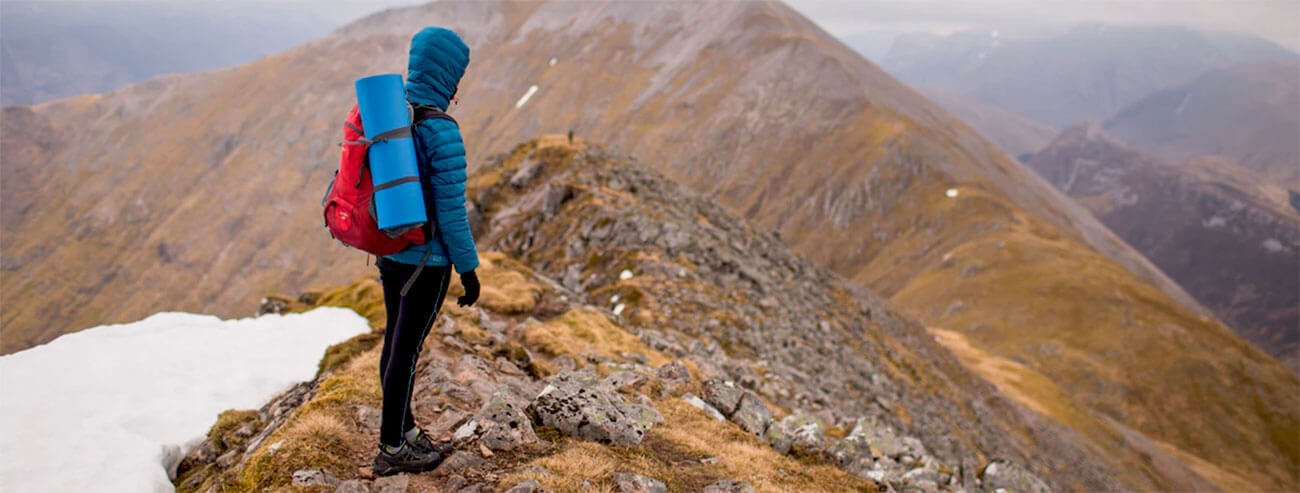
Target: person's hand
[(470, 281)]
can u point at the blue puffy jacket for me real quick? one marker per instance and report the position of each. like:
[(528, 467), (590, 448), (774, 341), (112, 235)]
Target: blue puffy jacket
[(438, 60)]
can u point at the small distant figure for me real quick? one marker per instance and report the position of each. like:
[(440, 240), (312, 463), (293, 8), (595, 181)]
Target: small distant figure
[(570, 136)]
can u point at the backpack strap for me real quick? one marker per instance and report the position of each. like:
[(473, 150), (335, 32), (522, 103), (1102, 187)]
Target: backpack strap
[(423, 112), (411, 282)]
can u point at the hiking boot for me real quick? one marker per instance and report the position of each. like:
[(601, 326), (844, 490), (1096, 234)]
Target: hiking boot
[(405, 458), (420, 440)]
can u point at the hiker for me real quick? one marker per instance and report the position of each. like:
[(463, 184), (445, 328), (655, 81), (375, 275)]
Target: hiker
[(437, 62)]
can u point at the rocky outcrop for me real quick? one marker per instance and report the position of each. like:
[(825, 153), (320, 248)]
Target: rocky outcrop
[(577, 404)]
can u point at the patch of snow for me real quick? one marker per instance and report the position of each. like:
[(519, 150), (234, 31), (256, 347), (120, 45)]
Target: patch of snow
[(613, 299), (951, 193), (528, 94), (1214, 222), (618, 309), (552, 62), (625, 275), (116, 407)]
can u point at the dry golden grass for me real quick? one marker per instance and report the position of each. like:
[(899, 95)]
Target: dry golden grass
[(582, 331), (506, 286), (1119, 349), (318, 433), (671, 453)]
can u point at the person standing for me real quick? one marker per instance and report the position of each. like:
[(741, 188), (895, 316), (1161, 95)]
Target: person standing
[(438, 59)]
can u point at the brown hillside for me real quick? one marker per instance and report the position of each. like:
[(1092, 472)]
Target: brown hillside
[(199, 193), (1218, 229)]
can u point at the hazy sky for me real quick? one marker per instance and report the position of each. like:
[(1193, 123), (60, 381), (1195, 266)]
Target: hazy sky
[(1277, 20)]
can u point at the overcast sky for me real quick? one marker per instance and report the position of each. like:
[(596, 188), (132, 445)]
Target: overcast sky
[(1277, 20)]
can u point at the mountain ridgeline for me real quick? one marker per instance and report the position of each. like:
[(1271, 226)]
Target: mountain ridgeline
[(1229, 237), (199, 192)]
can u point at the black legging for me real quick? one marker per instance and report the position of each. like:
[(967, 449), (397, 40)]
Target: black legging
[(409, 320)]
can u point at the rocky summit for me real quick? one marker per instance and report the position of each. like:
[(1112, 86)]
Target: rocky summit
[(652, 356)]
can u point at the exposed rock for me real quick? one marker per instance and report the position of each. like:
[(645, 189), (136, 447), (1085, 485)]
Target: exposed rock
[(779, 437), (369, 417), (806, 432), (752, 415), (456, 482), (649, 411), (723, 395), (1001, 474), (575, 405), (314, 477), (564, 362), (694, 400), (397, 483), (352, 486), (528, 486), (673, 373), (727, 486), (526, 174), (621, 379), (627, 482), (459, 461), (503, 425)]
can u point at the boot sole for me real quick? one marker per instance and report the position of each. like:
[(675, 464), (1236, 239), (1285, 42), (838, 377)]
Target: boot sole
[(385, 468)]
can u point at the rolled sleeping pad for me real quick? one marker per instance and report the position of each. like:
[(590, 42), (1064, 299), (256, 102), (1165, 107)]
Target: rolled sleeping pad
[(399, 199)]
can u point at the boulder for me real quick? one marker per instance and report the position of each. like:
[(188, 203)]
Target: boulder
[(503, 425), (752, 415), (576, 405), (723, 395), (459, 461), (352, 486), (673, 373), (397, 483), (806, 432), (696, 401), (626, 482), (314, 477), (1007, 475), (779, 437), (621, 379), (529, 486)]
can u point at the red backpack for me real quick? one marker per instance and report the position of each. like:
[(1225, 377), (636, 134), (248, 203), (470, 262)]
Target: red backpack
[(349, 208)]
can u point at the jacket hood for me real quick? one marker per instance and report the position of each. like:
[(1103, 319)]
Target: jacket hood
[(438, 61)]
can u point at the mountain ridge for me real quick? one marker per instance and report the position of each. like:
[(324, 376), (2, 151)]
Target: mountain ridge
[(1217, 232)]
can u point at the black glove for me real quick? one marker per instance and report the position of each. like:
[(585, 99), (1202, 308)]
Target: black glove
[(470, 281)]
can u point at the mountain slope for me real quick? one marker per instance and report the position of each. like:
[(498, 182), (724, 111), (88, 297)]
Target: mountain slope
[(635, 272), (1017, 135), (1088, 73), (1218, 234), (1246, 113), (747, 103)]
